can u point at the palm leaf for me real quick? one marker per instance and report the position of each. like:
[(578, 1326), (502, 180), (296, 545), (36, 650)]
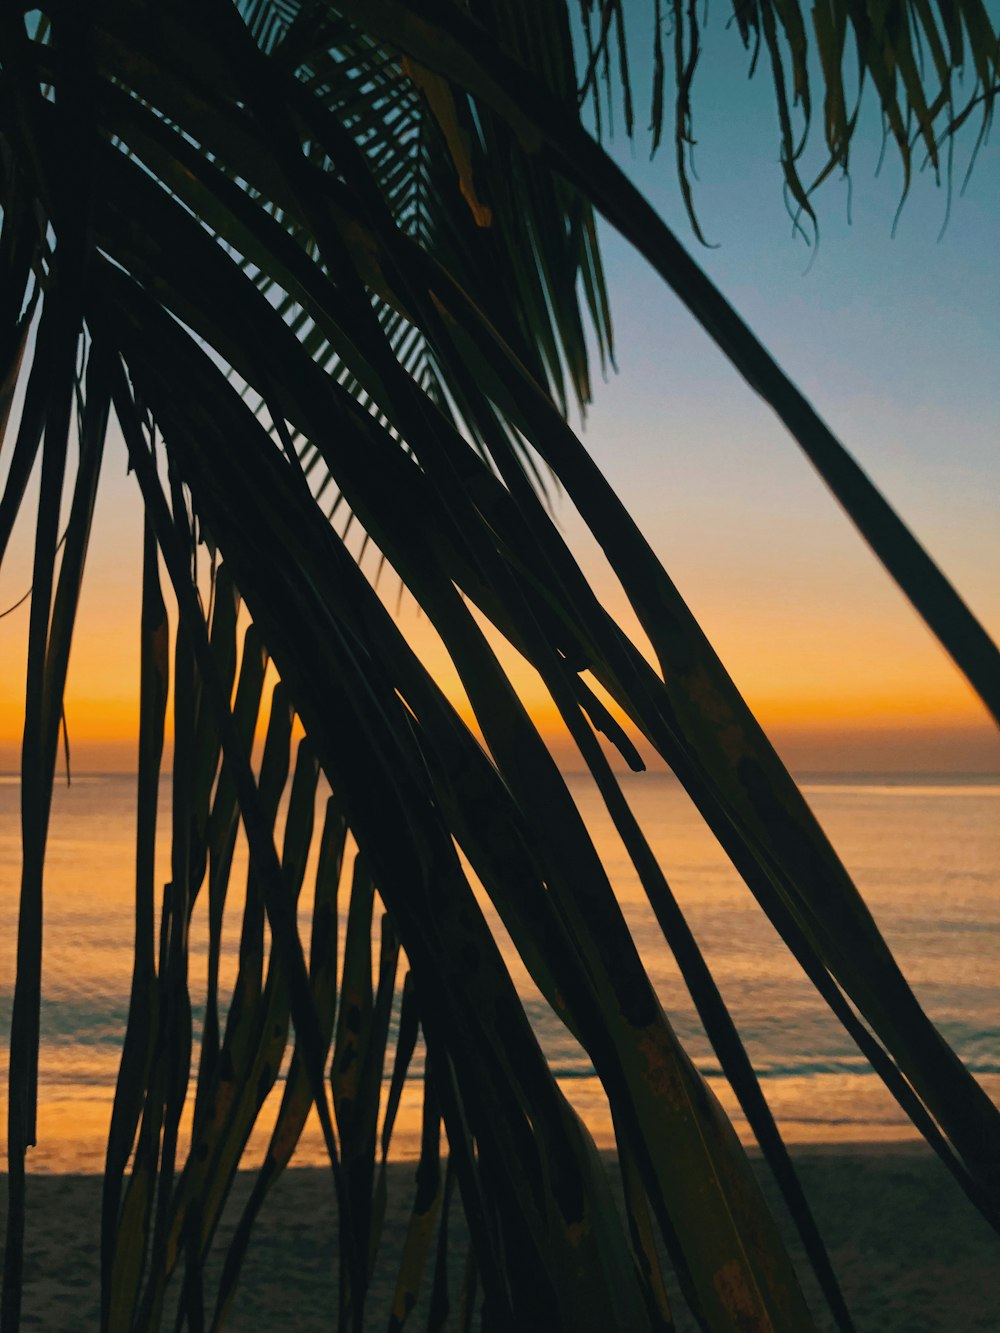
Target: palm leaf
[(356, 250)]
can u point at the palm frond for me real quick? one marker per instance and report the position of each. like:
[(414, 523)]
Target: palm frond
[(352, 249), (931, 67)]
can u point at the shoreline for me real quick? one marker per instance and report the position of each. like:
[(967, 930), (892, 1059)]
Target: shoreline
[(911, 1253)]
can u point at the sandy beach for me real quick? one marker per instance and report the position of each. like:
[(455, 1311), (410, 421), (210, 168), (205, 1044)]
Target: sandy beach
[(911, 1254)]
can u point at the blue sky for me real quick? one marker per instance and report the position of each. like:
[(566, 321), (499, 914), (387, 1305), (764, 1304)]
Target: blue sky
[(894, 338)]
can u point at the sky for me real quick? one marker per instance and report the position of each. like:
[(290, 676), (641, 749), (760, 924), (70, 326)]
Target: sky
[(895, 340)]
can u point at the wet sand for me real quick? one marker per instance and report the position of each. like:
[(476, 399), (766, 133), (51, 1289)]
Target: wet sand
[(911, 1253)]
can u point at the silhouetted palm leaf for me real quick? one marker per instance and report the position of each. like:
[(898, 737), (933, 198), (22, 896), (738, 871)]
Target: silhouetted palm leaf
[(308, 246)]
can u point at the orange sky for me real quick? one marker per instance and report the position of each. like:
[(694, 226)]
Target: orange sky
[(920, 721), (848, 685)]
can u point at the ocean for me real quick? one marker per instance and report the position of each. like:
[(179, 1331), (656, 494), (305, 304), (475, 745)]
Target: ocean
[(924, 850)]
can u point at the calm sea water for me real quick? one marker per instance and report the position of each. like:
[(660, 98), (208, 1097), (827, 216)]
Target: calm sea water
[(924, 851)]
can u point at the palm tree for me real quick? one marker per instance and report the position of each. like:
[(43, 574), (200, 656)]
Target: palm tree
[(320, 257)]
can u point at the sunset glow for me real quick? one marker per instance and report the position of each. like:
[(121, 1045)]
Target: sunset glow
[(833, 694)]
